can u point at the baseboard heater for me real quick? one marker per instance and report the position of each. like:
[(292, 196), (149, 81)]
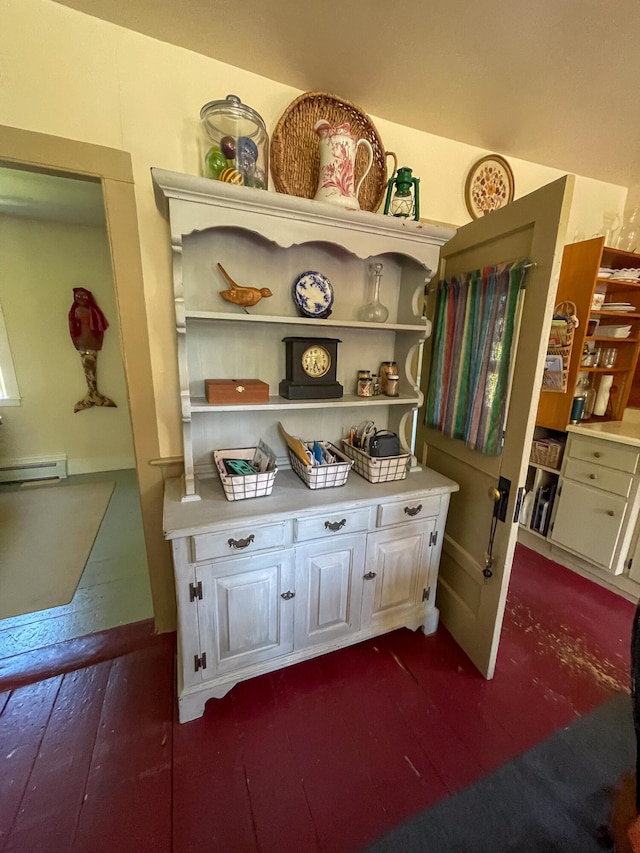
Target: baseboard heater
[(35, 468)]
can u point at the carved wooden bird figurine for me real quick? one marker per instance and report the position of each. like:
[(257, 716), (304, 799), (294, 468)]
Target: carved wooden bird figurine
[(245, 297)]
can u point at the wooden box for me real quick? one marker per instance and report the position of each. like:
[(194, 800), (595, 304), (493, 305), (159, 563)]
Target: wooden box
[(225, 391)]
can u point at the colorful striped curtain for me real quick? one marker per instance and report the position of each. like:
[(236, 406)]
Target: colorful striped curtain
[(470, 355)]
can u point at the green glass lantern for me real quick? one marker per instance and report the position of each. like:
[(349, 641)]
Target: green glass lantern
[(403, 195)]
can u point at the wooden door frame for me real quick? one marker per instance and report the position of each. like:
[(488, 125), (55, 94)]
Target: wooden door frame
[(112, 167)]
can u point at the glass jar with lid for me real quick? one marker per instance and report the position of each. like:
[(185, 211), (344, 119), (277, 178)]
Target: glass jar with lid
[(236, 143), (365, 383)]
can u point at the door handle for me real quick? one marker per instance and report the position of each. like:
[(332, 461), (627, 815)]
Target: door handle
[(500, 496)]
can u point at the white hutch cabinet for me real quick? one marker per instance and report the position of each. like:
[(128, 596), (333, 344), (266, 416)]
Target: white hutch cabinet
[(270, 581)]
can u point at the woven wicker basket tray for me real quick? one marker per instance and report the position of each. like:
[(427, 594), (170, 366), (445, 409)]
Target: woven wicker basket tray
[(295, 149)]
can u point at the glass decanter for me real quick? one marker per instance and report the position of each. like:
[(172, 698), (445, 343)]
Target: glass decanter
[(374, 311), (629, 236)]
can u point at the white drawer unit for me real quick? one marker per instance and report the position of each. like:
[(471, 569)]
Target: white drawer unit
[(329, 524), (243, 539), (597, 504), (607, 479), (618, 456), (324, 575), (414, 509)]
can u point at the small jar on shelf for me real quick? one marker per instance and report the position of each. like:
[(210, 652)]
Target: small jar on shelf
[(392, 385), (387, 368), (365, 383)]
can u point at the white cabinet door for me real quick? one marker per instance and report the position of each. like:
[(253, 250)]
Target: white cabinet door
[(328, 589), (588, 522), (396, 576), (246, 612)]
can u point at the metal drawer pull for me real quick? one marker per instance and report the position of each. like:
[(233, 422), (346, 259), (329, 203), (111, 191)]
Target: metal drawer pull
[(241, 543), (335, 525), (369, 576), (593, 476), (413, 510), (288, 595), (610, 512), (597, 454)]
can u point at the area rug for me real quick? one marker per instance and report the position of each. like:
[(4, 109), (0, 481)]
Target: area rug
[(553, 798), (46, 537)]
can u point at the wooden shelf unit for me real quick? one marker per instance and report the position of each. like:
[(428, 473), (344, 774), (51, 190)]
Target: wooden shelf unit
[(578, 283)]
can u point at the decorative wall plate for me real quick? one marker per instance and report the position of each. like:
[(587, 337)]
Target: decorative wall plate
[(489, 185), (313, 294)]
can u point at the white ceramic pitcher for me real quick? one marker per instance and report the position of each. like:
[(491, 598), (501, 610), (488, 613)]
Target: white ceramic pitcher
[(338, 149)]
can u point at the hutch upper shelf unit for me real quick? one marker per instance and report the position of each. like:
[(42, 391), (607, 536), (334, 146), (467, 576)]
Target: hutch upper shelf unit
[(581, 278), (264, 239)]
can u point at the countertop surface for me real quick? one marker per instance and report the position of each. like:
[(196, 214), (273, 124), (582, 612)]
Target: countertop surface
[(290, 498), (624, 432)]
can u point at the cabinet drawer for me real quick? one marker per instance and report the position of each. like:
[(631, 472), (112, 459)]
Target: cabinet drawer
[(408, 510), (605, 453), (608, 479), (245, 540), (331, 523)]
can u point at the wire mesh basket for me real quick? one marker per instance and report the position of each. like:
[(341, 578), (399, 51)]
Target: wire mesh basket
[(377, 469), (556, 369), (559, 348), (238, 487), (322, 476)]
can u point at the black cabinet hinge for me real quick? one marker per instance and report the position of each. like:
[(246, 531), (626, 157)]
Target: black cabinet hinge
[(433, 538), (426, 593), (629, 563), (200, 662), (195, 591)]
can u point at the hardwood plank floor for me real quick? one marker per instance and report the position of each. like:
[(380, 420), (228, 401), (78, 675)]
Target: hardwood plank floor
[(322, 757)]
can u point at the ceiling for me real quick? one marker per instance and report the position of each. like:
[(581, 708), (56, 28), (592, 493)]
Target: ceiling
[(551, 82)]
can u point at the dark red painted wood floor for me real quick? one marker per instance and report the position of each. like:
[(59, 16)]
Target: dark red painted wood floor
[(323, 756)]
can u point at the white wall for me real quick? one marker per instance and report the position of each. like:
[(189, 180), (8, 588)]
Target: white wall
[(41, 264), (70, 75)]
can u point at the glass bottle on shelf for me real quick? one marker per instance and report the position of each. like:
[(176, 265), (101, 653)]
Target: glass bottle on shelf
[(579, 397), (629, 236), (587, 395), (589, 402), (374, 311)]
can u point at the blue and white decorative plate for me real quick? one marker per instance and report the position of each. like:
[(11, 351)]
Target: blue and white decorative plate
[(313, 294)]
